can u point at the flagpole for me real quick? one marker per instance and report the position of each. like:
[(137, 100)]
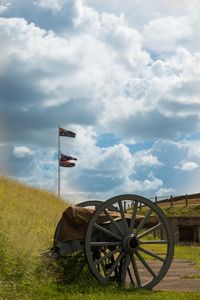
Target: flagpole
[(59, 161)]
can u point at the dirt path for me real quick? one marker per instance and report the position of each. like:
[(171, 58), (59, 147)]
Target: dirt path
[(177, 277)]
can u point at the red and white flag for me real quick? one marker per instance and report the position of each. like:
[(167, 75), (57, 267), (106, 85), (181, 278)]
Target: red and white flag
[(66, 157), (66, 164), (65, 161), (67, 133)]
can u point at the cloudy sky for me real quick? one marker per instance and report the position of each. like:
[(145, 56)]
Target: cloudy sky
[(124, 75)]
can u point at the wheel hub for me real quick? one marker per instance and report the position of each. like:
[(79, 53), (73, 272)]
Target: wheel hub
[(130, 243)]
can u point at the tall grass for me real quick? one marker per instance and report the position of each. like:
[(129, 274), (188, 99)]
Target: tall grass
[(28, 218)]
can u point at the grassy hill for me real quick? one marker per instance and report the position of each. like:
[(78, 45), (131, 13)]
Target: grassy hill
[(180, 208), (28, 218)]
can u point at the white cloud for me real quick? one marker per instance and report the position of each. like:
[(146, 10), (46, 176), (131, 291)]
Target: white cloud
[(145, 158), (146, 186), (108, 70), (140, 12), (124, 40), (180, 171), (193, 149), (55, 5), (163, 35), (4, 7), (152, 183), (165, 193), (22, 151), (188, 166)]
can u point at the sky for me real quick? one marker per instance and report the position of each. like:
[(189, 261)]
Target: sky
[(123, 75)]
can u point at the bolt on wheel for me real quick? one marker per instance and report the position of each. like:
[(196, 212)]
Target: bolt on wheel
[(136, 238)]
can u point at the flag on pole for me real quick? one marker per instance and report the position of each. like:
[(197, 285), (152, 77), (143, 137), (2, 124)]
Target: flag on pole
[(66, 157), (65, 132), (66, 163)]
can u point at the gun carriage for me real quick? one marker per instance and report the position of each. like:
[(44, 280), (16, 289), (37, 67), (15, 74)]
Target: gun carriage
[(126, 239)]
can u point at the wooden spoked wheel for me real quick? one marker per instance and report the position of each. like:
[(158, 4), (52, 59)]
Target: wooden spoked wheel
[(139, 245)]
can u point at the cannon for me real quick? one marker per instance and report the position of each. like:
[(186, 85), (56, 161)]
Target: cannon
[(126, 239)]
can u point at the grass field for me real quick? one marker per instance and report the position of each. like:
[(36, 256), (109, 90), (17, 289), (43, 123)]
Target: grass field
[(179, 208), (28, 218)]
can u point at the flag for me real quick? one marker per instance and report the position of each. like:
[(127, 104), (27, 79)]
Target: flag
[(66, 163), (66, 157), (64, 132)]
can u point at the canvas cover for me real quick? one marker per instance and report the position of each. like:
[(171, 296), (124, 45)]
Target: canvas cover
[(74, 222)]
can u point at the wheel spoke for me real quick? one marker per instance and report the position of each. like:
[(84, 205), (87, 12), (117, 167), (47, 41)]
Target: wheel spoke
[(130, 276), (140, 226), (135, 269), (133, 217), (153, 242), (143, 261), (123, 216), (151, 254), (108, 255), (108, 232), (105, 244), (113, 222), (125, 264), (114, 265), (149, 230)]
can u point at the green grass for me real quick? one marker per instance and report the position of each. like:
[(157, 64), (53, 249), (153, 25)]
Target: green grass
[(183, 211), (28, 218), (191, 252), (178, 210), (111, 293)]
